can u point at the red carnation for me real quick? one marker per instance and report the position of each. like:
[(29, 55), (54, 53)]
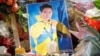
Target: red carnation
[(7, 42), (93, 23)]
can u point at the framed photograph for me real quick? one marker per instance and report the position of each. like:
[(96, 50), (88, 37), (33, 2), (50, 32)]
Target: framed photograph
[(48, 28)]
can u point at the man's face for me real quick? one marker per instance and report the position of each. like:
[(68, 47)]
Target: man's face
[(46, 13)]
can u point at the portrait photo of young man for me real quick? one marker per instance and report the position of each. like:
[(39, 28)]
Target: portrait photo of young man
[(44, 27)]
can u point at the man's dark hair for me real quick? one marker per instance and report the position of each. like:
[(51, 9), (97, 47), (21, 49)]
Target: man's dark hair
[(45, 6)]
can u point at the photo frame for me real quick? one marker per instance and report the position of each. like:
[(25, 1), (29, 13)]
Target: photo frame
[(48, 22)]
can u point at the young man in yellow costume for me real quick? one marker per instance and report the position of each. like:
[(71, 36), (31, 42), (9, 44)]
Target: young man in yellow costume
[(45, 30)]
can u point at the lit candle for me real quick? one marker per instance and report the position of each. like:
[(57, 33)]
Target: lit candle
[(20, 50)]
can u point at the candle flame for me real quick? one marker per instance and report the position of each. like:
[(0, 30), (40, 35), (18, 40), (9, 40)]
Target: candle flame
[(19, 46)]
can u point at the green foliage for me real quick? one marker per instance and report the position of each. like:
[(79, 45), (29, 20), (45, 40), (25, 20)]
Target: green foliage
[(97, 4), (22, 20)]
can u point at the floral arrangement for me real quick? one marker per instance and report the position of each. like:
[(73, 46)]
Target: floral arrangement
[(94, 15), (7, 6), (97, 3), (93, 23)]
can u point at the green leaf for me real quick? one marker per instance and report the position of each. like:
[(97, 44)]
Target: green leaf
[(97, 4), (19, 12), (25, 29), (96, 18)]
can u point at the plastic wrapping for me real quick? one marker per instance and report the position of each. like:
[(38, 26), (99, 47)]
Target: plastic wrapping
[(90, 45), (83, 5), (88, 49)]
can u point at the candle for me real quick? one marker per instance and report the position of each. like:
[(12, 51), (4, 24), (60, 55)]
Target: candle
[(20, 50)]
